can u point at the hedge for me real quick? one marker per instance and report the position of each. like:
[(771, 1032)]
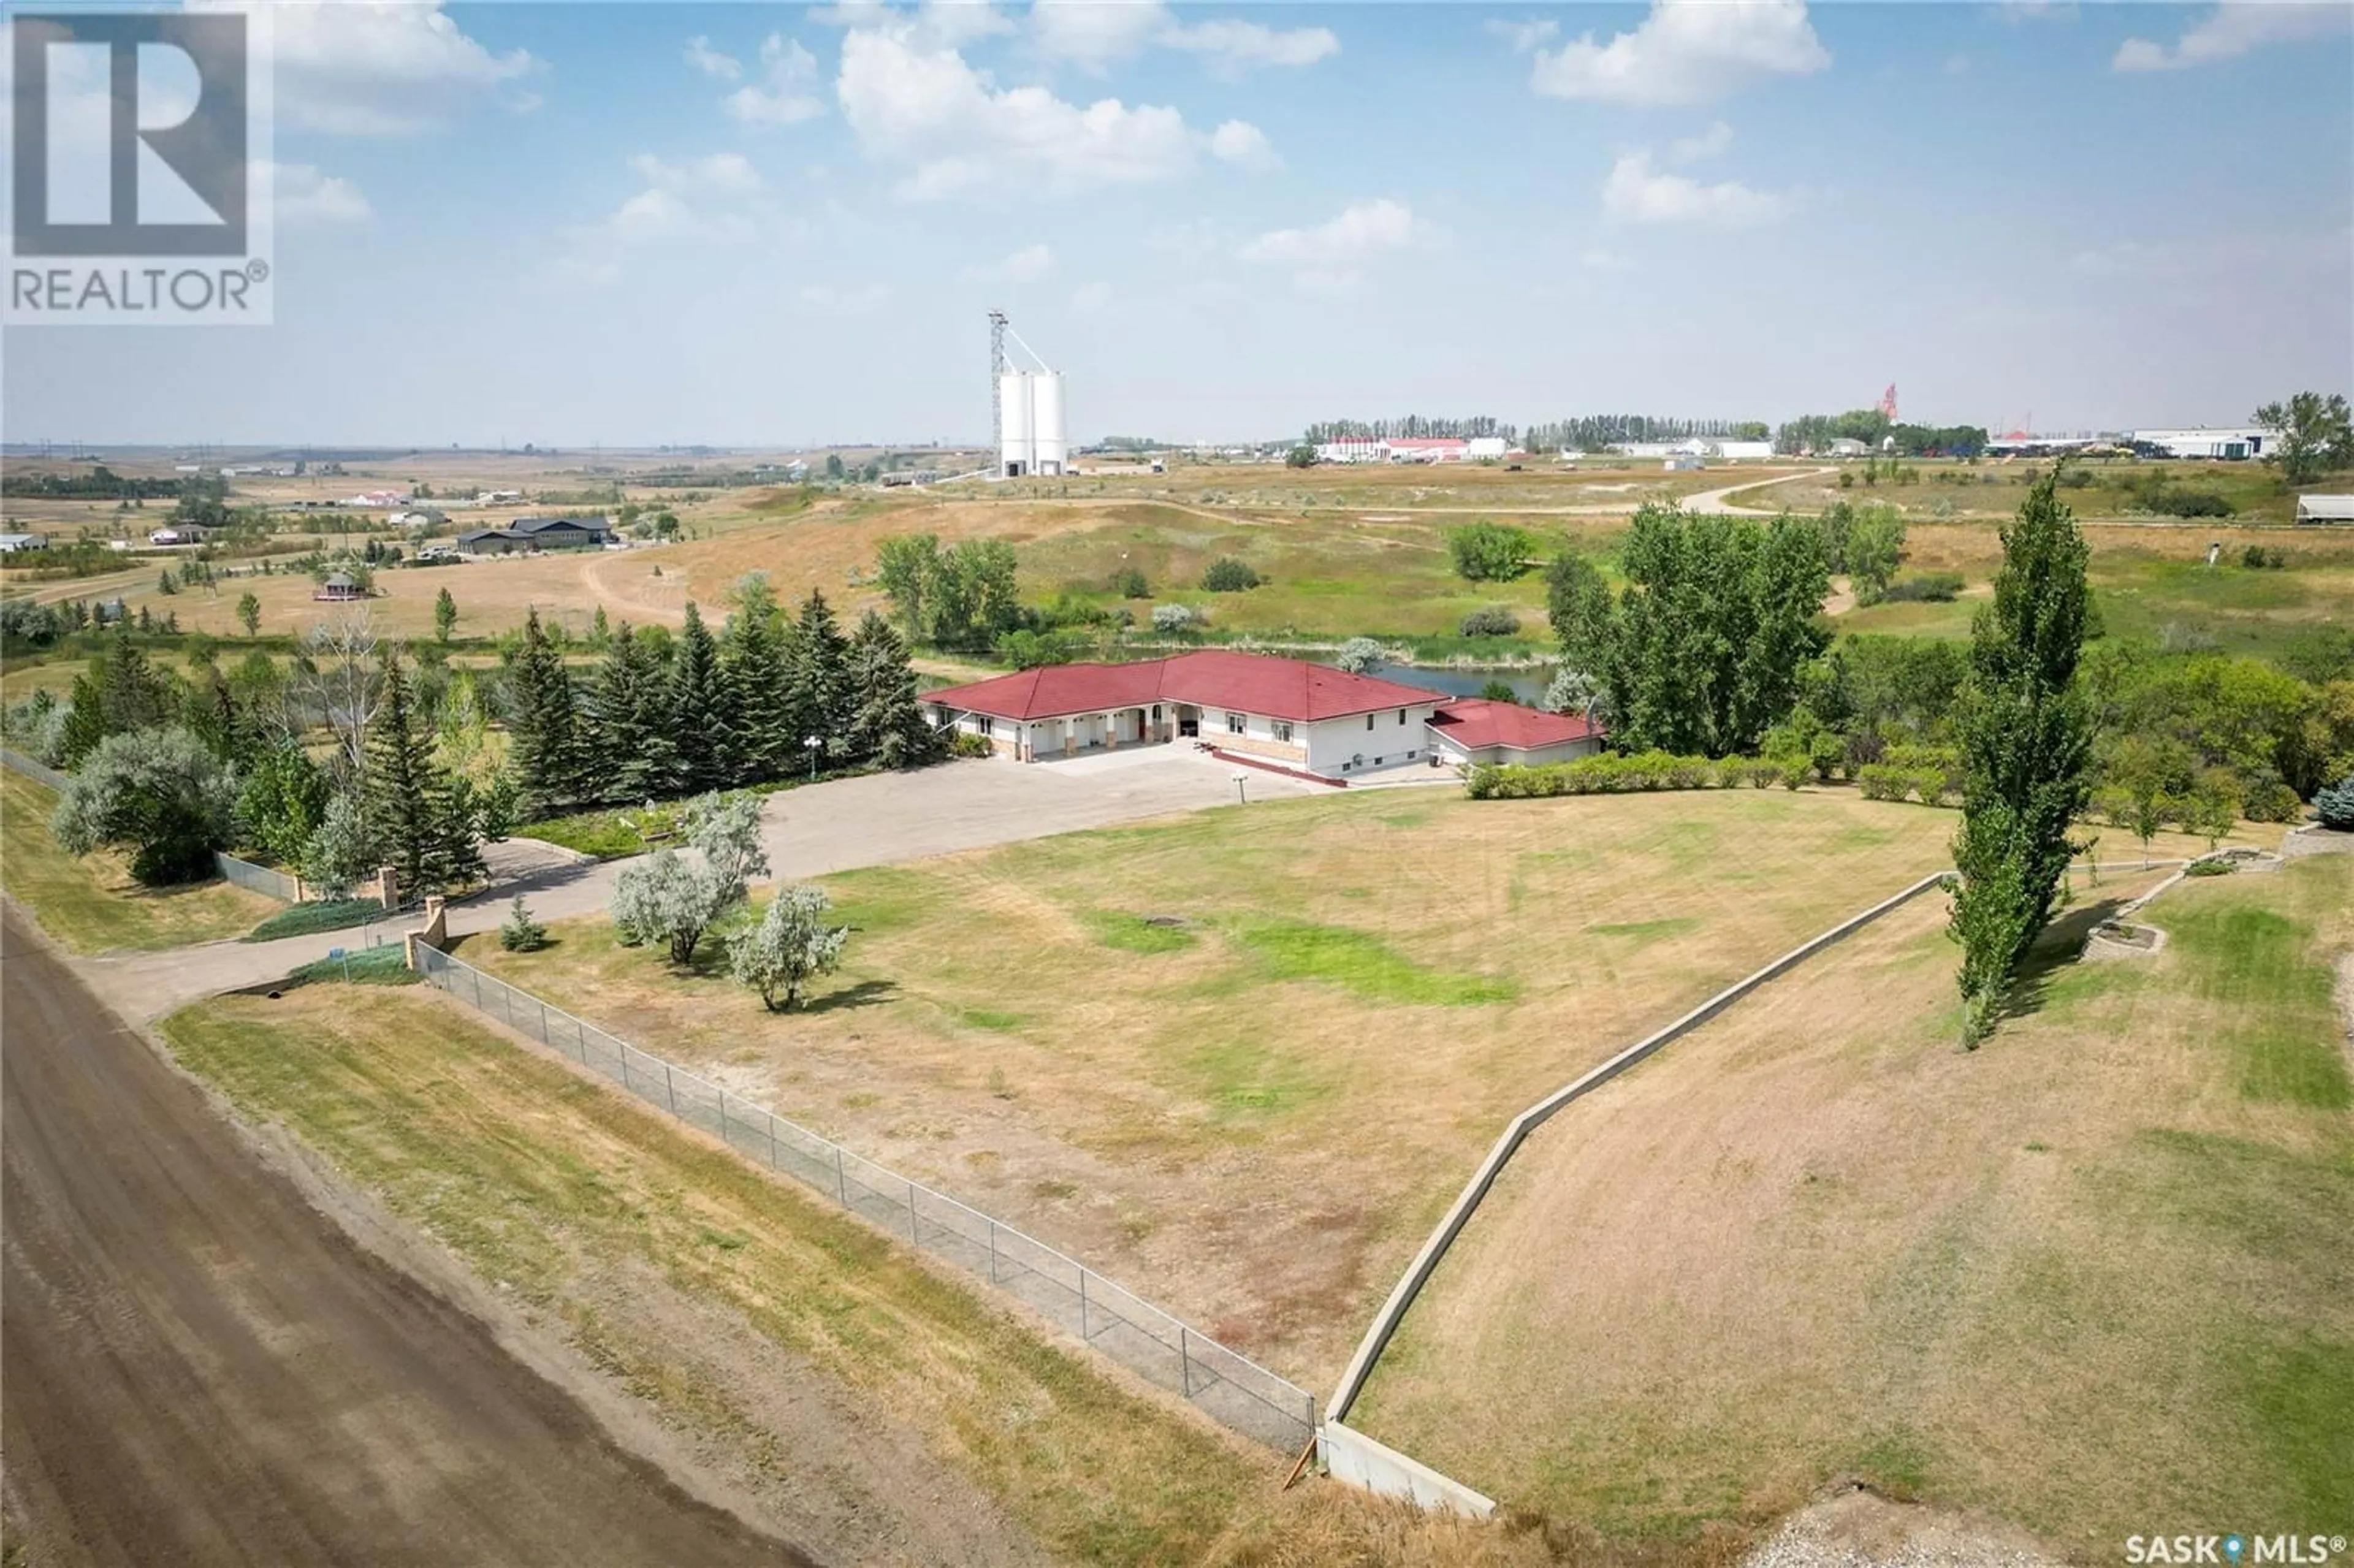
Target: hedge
[(1612, 775)]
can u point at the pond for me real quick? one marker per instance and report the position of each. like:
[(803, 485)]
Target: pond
[(1528, 685)]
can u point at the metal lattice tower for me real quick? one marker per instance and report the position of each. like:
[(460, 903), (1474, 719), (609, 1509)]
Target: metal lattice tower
[(997, 386)]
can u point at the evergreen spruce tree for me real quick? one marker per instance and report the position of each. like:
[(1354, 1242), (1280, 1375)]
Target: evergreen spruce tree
[(2026, 742), (549, 748), (632, 707), (886, 723), (697, 716), (753, 655), (820, 674), (414, 810)]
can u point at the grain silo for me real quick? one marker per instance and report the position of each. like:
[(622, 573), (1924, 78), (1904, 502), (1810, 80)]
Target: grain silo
[(1031, 438)]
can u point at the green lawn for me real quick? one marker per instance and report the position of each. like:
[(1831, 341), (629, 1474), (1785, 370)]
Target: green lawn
[(90, 904)]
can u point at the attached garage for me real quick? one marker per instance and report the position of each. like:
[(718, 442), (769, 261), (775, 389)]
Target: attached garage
[(1475, 730)]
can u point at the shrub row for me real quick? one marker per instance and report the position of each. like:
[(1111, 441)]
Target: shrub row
[(1892, 781), (1611, 775)]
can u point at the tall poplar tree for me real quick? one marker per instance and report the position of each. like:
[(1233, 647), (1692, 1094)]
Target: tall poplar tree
[(2026, 742)]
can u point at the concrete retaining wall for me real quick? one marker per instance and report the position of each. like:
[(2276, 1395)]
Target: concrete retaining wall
[(1350, 1455)]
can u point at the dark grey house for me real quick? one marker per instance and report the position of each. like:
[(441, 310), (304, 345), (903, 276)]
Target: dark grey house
[(530, 535)]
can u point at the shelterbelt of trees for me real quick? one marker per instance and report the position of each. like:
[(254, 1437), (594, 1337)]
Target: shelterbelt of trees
[(359, 751)]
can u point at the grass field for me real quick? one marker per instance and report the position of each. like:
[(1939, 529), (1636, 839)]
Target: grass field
[(1993, 488), (2090, 1279), (91, 905), (1238, 1061), (590, 1209)]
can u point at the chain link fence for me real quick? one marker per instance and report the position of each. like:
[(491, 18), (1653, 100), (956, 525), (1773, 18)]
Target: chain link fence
[(32, 769), (1233, 1389), (257, 878)]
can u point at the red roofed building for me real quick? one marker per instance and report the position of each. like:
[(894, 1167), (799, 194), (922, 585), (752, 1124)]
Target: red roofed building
[(1473, 729), (1309, 718)]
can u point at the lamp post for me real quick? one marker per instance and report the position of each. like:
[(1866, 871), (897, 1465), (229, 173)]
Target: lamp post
[(811, 742), (1241, 779)]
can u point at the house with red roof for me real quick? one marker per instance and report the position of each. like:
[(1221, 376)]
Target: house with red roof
[(1469, 730), (1286, 713)]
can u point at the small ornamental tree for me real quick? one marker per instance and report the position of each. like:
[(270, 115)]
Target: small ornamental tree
[(248, 613), (1175, 618), (1358, 655), (668, 899), (445, 614), (2336, 805), (158, 794), (791, 944), (1489, 552), (521, 933)]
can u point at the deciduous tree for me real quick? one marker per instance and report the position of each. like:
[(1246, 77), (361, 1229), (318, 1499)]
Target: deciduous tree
[(2026, 750), (159, 794), (2315, 435), (791, 944)]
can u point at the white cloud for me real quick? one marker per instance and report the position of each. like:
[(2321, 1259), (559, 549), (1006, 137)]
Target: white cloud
[(1232, 48), (1025, 265), (786, 94), (2232, 29), (305, 195), (1522, 36), (913, 100), (1709, 144), (712, 172), (1329, 257), (379, 67), (710, 61), (1091, 34), (1637, 193), (1243, 144), (826, 299), (1686, 51), (1095, 34)]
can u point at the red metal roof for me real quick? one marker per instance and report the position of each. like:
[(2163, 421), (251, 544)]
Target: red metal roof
[(1290, 689), (1475, 722)]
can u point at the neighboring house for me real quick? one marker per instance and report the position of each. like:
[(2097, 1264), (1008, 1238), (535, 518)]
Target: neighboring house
[(339, 587), (178, 534), (1845, 447), (1468, 730), (2324, 508), (14, 544), (529, 535), (418, 517)]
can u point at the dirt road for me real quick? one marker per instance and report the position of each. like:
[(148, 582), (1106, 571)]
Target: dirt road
[(202, 1369)]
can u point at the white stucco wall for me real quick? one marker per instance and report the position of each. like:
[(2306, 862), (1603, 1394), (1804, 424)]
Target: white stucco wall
[(1333, 742)]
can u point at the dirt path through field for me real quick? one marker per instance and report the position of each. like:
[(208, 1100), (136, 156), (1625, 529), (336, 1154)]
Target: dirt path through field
[(202, 1367)]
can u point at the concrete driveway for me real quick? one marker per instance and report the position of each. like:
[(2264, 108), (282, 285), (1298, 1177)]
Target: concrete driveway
[(839, 825)]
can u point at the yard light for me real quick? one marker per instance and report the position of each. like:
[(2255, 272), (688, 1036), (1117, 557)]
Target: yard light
[(1241, 778), (813, 743)]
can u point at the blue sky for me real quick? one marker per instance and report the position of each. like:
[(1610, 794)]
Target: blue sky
[(739, 224)]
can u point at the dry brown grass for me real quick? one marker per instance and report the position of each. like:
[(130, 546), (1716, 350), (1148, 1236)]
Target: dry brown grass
[(2084, 1279), (1256, 1124), (90, 904)]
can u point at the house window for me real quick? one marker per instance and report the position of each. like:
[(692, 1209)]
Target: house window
[(1233, 724), (988, 727), (1282, 729), (1400, 716), (1156, 713), (1409, 755), (1369, 721)]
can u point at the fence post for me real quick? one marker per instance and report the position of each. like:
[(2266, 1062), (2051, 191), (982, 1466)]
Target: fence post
[(913, 1234), (769, 1117), (993, 1252), (723, 1116), (580, 1033), (670, 1090), (1185, 1364), (1083, 1303), (543, 1024), (841, 1179)]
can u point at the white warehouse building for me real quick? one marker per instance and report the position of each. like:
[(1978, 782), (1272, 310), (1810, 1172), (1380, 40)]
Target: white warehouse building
[(2231, 443)]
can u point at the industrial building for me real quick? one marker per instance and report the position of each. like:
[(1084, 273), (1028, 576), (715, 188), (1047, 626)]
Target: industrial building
[(2236, 443), (1033, 438)]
